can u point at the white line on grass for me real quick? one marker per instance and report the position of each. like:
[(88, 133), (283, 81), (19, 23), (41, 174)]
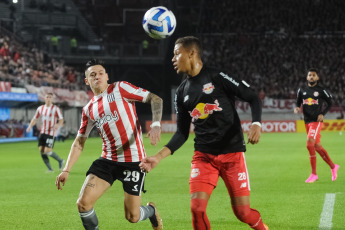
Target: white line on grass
[(327, 212)]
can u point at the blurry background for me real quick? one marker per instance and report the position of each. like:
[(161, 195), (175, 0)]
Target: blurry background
[(44, 45)]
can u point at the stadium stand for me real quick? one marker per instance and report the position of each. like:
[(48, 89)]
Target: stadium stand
[(267, 43)]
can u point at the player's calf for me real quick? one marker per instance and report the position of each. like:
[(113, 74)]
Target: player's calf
[(199, 218), (249, 216)]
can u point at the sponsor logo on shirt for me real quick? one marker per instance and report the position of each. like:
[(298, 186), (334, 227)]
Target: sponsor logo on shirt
[(106, 119), (208, 88), (186, 98), (202, 110), (229, 79), (316, 94), (310, 101)]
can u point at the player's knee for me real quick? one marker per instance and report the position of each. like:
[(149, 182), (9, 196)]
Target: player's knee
[(198, 206), (83, 206), (132, 218), (310, 145), (318, 147)]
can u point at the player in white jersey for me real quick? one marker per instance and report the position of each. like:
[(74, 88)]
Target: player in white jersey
[(52, 120), (112, 111)]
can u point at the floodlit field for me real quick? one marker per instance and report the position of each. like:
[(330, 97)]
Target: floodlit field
[(278, 167)]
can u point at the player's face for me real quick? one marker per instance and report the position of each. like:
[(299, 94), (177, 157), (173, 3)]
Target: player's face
[(96, 77), (312, 77), (181, 59), (48, 99)]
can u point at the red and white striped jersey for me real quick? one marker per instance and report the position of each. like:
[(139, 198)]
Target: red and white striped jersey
[(49, 116), (113, 113)]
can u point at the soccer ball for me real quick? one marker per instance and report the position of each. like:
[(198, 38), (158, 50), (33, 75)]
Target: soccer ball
[(159, 22)]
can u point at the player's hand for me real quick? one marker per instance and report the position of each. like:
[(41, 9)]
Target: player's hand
[(254, 134), (320, 118), (28, 129), (148, 163), (155, 135), (62, 178), (56, 127), (296, 110)]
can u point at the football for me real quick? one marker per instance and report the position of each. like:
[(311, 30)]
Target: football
[(159, 22)]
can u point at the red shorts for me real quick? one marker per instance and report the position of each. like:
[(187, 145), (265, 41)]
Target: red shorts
[(313, 130), (231, 167)]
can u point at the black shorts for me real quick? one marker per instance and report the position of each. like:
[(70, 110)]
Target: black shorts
[(46, 140), (128, 173)]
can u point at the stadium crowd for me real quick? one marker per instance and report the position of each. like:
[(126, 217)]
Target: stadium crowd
[(24, 64), (272, 43), (268, 43)]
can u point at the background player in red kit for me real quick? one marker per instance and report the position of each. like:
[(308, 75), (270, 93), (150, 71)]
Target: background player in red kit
[(312, 97), (50, 114), (112, 111), (207, 98)]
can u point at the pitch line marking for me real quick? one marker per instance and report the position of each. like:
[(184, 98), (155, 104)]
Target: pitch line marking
[(327, 212)]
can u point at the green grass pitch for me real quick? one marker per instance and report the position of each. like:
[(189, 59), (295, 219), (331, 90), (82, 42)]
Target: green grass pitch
[(278, 167)]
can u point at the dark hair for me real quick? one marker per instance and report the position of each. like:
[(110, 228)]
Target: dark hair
[(93, 62), (313, 70), (189, 41), (50, 94)]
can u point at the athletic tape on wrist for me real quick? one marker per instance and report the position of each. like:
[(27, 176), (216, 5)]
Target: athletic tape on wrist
[(256, 123), (155, 124)]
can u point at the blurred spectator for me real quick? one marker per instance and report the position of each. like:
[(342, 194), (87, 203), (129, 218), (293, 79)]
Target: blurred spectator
[(4, 52)]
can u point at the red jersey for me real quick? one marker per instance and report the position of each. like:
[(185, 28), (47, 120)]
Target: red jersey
[(113, 113), (49, 115)]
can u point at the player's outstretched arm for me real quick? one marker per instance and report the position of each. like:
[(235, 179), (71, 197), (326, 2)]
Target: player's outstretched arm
[(148, 163), (157, 110), (76, 149)]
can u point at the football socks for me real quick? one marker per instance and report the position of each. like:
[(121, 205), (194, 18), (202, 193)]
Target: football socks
[(146, 212), (199, 218), (46, 161), (89, 219)]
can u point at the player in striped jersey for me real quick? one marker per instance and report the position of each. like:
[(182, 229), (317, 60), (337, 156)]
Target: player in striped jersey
[(112, 111), (316, 102), (50, 114)]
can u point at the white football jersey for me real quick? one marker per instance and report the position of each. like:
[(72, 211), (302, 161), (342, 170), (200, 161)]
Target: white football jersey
[(49, 116), (113, 113)]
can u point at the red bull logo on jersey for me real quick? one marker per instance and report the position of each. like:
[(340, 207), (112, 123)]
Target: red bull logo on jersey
[(195, 172), (208, 88), (203, 110), (310, 101)]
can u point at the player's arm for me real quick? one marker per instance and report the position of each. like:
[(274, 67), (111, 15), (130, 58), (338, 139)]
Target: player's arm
[(328, 98), (59, 124), (157, 110), (32, 123), (178, 139), (241, 89), (248, 95), (298, 101), (74, 154), (58, 114)]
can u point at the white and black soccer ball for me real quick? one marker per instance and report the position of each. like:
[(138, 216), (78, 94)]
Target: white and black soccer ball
[(159, 22)]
